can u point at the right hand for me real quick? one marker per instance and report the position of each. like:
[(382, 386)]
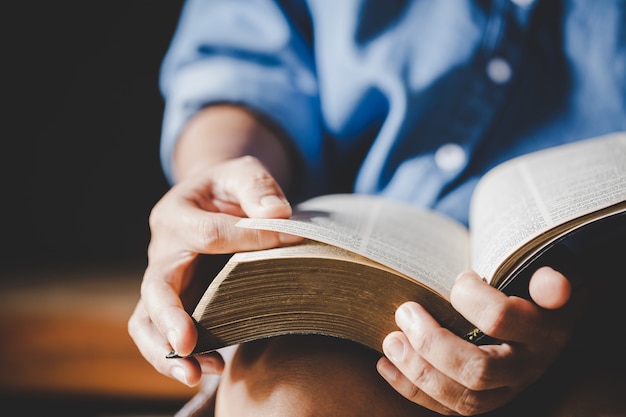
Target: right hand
[(198, 216)]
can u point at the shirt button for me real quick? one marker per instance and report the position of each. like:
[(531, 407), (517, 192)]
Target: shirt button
[(523, 3), (450, 157), (499, 71)]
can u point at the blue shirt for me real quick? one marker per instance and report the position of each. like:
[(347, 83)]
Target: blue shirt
[(411, 99)]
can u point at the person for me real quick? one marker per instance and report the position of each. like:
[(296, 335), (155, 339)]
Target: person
[(307, 376), (271, 102)]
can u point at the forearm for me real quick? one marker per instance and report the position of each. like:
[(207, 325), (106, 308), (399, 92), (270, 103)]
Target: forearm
[(222, 132)]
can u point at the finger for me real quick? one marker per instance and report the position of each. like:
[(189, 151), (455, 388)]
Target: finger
[(406, 388), (421, 382), (211, 362), (160, 298), (184, 219), (246, 182), (217, 233), (472, 367), (152, 345), (502, 317), (549, 288)]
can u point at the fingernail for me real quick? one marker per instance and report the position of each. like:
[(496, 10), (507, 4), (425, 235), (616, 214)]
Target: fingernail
[(394, 349), (272, 200), (387, 370), (172, 338), (180, 374), (404, 317)]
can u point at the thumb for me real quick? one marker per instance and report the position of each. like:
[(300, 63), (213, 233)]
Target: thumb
[(549, 288)]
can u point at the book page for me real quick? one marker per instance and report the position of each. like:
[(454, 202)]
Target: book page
[(424, 245), (528, 195), (309, 249)]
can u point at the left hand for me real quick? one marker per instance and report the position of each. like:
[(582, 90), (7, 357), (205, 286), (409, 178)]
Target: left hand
[(431, 366)]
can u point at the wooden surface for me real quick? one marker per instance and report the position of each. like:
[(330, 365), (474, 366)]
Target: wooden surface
[(66, 333)]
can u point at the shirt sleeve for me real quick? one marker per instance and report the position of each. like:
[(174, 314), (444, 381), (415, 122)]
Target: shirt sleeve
[(242, 52)]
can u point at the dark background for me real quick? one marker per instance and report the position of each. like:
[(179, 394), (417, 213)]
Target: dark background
[(82, 117)]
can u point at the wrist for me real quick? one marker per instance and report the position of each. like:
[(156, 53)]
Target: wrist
[(222, 132)]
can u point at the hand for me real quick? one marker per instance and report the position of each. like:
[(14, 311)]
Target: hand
[(198, 216), (434, 368)]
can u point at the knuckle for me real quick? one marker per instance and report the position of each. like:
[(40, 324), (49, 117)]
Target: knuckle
[(416, 339), (423, 340), (262, 180), (420, 375), (494, 318), (160, 216), (467, 403), (475, 373), (249, 163), (259, 175), (413, 393), (133, 326), (154, 217), (249, 160), (215, 236), (147, 284), (209, 233)]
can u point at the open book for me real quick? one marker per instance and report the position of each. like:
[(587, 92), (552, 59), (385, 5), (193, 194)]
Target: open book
[(365, 255)]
